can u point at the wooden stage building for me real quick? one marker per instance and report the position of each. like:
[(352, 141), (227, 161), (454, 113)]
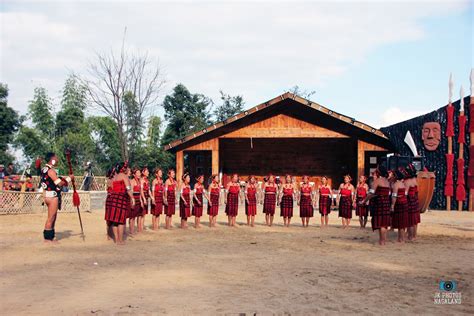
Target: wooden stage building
[(286, 135)]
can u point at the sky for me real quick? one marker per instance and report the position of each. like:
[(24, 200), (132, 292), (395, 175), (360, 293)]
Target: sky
[(380, 62)]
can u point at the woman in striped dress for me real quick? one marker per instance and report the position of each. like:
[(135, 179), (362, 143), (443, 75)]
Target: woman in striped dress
[(157, 197), (185, 200), (137, 193), (346, 201), (325, 201), (232, 199), (413, 209), (362, 210), (380, 195), (145, 196), (213, 202), (269, 201), (170, 198), (399, 206), (251, 200), (119, 201), (198, 200), (286, 197), (109, 176), (306, 201)]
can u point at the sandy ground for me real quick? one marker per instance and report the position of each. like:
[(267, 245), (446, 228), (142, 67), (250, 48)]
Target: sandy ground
[(232, 271)]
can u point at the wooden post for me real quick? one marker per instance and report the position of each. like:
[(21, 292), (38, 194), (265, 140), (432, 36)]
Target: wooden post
[(471, 135), (179, 165), (215, 160), (450, 138), (461, 144)]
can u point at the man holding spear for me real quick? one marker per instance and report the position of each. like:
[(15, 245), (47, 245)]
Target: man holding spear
[(51, 184)]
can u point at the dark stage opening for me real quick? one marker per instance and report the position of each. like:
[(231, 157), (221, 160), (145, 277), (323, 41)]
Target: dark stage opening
[(332, 157)]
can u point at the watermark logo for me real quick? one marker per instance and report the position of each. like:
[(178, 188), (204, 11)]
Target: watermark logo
[(447, 294)]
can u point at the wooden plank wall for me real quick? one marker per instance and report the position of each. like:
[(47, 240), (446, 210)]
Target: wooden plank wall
[(333, 157)]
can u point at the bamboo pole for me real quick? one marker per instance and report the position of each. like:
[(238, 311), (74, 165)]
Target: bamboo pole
[(471, 136)]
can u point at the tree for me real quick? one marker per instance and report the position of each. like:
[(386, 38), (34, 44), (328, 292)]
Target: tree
[(40, 112), (229, 107), (185, 112), (111, 77), (106, 142), (9, 124), (134, 124), (302, 93), (73, 103)]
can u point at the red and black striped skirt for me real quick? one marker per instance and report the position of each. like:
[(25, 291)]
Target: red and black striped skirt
[(414, 217), (345, 207), (325, 202), (157, 208), (184, 209), (251, 206), (171, 199), (306, 206), (400, 214), (197, 207), (145, 205), (361, 210), (213, 210), (232, 206), (269, 203), (136, 210), (382, 217), (286, 206), (117, 207)]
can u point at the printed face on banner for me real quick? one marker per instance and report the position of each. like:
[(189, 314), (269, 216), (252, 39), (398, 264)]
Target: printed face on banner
[(431, 135)]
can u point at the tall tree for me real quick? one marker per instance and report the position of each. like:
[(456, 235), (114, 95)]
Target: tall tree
[(41, 113), (134, 124), (230, 106), (73, 104), (107, 144), (9, 124), (185, 112), (111, 76)]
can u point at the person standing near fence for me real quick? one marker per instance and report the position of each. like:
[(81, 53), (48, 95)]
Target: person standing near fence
[(51, 184)]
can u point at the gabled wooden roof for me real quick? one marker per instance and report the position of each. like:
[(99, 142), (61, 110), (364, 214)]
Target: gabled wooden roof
[(348, 125)]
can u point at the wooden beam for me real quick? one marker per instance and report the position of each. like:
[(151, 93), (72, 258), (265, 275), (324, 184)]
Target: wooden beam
[(215, 158), (179, 165)]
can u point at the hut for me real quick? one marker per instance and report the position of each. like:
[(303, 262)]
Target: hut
[(285, 135)]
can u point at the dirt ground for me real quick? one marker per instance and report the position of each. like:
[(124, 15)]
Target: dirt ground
[(230, 271)]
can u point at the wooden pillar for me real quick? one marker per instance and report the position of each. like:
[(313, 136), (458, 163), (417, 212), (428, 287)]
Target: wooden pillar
[(179, 165), (360, 159), (215, 157)]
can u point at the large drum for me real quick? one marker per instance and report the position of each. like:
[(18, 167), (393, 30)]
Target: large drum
[(426, 185)]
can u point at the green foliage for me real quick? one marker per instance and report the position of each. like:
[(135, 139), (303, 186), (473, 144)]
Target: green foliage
[(31, 142), (185, 112), (107, 144), (134, 124), (9, 124), (40, 112), (73, 103), (229, 107)]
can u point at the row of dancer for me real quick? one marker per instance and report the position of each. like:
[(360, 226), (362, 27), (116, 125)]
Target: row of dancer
[(132, 198)]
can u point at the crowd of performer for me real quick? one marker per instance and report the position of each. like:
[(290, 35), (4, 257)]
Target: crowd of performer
[(391, 200)]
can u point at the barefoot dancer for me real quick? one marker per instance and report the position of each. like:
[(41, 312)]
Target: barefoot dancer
[(380, 193), (157, 197), (251, 200), (399, 206), (137, 196), (119, 203), (269, 202), (413, 210), (185, 200), (346, 200), (145, 196), (109, 176), (170, 198), (199, 192), (306, 201), (287, 195), (213, 202), (51, 184), (325, 199), (232, 199), (362, 210)]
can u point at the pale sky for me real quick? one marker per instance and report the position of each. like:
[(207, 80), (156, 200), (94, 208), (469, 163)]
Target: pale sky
[(378, 61)]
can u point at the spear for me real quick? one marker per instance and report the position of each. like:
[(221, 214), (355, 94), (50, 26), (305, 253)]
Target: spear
[(460, 188), (76, 201), (448, 184)]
